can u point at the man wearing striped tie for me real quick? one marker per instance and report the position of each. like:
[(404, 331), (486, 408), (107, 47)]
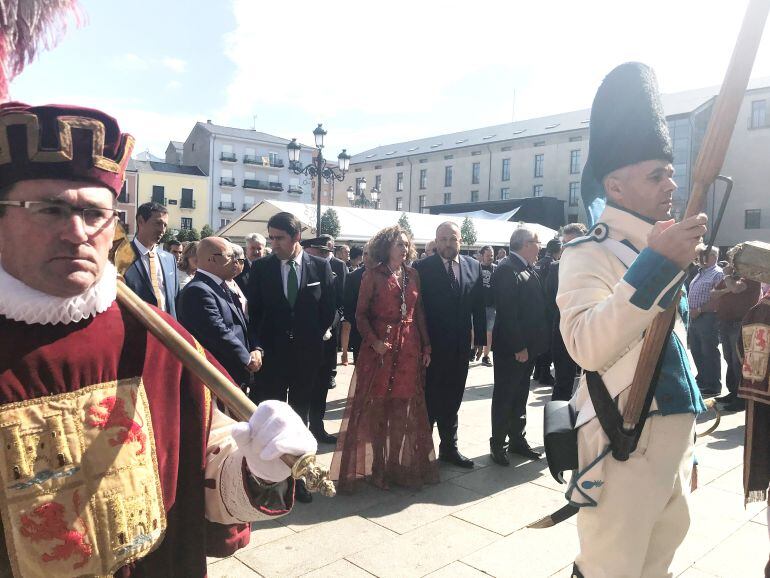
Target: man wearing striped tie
[(153, 275)]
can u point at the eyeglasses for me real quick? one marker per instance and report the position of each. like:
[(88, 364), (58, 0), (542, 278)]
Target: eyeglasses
[(241, 261), (52, 213), (227, 256)]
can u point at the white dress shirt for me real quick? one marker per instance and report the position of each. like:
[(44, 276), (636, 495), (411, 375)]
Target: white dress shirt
[(455, 267), (285, 268), (143, 251)]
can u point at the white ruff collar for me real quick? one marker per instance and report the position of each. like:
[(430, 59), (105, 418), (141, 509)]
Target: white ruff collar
[(23, 303)]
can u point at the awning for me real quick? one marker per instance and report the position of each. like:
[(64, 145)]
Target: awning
[(359, 225)]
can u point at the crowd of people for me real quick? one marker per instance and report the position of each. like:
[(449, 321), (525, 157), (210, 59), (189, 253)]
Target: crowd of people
[(414, 324), (157, 476), (411, 325)]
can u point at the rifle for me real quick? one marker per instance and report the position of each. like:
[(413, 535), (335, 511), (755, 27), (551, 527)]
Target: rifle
[(707, 167)]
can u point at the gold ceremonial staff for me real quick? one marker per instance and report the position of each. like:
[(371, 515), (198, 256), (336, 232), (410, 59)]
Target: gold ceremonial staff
[(304, 467), (707, 167)]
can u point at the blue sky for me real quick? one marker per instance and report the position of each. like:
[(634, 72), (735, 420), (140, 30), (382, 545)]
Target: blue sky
[(373, 73)]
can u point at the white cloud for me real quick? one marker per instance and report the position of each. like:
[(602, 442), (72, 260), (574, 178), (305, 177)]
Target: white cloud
[(174, 64), (173, 85), (454, 66)]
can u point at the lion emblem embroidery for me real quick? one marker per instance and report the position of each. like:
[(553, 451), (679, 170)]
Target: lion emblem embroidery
[(111, 413), (46, 522)]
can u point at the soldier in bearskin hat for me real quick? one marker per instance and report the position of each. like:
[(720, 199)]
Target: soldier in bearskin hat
[(612, 283), (114, 460)]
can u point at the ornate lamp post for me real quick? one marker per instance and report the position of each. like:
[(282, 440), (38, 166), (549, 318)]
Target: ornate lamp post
[(318, 169), (357, 197)]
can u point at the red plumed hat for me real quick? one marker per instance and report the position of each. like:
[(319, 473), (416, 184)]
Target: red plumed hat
[(62, 142)]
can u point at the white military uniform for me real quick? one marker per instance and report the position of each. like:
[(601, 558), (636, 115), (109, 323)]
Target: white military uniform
[(633, 514)]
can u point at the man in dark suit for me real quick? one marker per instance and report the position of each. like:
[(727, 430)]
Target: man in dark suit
[(291, 306), (520, 334), (153, 274), (350, 337), (327, 372), (213, 314), (544, 360), (255, 249), (453, 298), (563, 365)]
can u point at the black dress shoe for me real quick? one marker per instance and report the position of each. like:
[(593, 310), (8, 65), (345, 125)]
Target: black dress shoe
[(523, 449), (456, 458), (725, 398), (498, 456), (736, 404), (301, 492), (322, 437), (332, 383), (486, 361)]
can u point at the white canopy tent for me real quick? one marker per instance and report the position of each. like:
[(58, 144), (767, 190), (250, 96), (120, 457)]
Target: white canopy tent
[(359, 225)]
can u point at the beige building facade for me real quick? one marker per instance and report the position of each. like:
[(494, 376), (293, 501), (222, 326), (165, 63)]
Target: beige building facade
[(544, 157)]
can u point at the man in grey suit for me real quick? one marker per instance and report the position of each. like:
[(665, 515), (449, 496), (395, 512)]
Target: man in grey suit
[(153, 274)]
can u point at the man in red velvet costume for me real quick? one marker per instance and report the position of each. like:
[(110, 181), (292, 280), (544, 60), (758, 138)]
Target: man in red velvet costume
[(112, 458)]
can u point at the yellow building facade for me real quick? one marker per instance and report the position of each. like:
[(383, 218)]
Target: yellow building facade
[(183, 190)]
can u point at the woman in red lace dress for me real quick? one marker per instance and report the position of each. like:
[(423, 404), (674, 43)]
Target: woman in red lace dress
[(385, 436)]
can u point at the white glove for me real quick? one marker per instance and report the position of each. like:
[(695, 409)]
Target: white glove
[(328, 335), (274, 429)]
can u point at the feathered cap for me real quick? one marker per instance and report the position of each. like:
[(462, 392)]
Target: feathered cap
[(62, 142), (627, 127)]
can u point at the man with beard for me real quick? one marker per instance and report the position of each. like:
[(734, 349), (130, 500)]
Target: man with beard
[(453, 298), (612, 284)]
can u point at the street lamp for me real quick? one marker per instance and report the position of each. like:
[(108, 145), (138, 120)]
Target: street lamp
[(318, 169), (357, 196)]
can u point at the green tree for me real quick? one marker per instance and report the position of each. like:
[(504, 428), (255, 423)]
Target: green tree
[(468, 232), (330, 223), (169, 235), (181, 236), (403, 222), (193, 235), (206, 231)]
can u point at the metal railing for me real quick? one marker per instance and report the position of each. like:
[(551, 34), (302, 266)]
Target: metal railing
[(264, 185), (226, 182), (223, 206), (228, 157), (259, 161)]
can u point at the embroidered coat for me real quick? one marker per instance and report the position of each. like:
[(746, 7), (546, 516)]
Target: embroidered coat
[(114, 459)]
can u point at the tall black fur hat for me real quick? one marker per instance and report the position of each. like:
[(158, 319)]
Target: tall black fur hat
[(628, 126)]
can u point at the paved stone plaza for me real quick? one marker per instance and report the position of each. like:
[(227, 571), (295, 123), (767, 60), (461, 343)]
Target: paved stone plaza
[(474, 522)]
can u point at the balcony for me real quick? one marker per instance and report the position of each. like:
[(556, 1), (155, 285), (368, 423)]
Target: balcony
[(259, 161), (228, 157), (187, 204), (160, 200), (295, 190), (226, 182), (246, 206), (262, 185), (224, 206)]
